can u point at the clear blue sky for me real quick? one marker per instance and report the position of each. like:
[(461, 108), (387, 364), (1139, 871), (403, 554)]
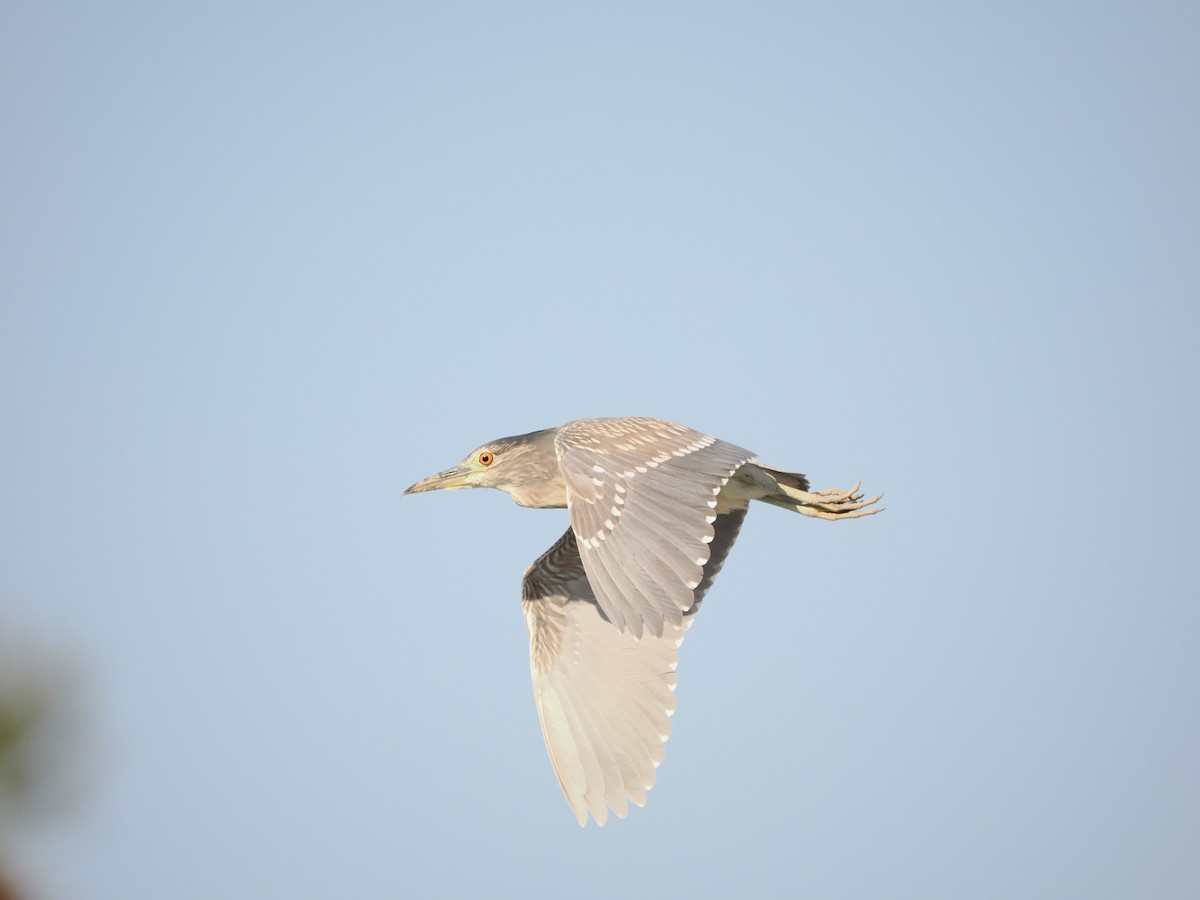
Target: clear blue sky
[(265, 265)]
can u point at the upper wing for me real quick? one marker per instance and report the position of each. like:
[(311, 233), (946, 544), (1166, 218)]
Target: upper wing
[(604, 697), (642, 498)]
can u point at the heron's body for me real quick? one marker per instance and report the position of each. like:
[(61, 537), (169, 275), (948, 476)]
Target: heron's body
[(655, 508)]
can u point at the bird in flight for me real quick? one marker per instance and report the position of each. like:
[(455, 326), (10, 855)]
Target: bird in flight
[(654, 508)]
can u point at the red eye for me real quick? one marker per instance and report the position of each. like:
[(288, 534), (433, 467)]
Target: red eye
[(485, 458)]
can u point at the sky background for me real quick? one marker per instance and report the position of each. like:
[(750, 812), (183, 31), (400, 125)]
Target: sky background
[(265, 265)]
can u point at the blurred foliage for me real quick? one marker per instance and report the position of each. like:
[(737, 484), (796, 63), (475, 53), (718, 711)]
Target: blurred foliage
[(21, 714), (40, 742)]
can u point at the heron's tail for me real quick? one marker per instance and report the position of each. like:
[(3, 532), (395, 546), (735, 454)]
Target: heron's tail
[(791, 488)]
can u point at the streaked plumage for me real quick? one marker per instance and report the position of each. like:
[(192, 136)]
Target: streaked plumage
[(654, 509)]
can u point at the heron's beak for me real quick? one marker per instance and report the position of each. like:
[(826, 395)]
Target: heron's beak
[(449, 480)]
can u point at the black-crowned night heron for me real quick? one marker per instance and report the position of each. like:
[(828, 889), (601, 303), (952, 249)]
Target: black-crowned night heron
[(654, 508)]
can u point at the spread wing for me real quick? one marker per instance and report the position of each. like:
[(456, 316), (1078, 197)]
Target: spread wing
[(642, 495), (604, 697)]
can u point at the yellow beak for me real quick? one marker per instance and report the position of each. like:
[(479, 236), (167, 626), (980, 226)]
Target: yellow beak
[(449, 480)]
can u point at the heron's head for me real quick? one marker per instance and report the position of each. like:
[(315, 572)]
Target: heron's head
[(524, 466)]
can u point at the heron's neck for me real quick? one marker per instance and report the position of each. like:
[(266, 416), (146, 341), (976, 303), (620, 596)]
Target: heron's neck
[(538, 482), (549, 491)]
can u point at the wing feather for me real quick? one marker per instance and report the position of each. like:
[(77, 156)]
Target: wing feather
[(641, 495), (604, 697)]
